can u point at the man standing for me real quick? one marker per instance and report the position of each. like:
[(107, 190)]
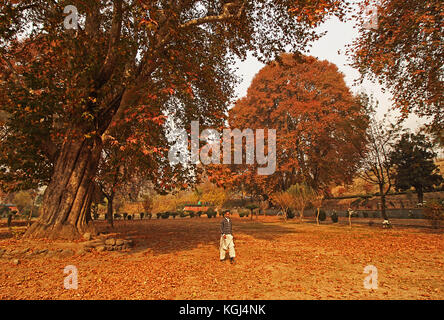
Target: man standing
[(226, 239)]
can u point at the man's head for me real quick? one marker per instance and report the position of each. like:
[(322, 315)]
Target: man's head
[(227, 213)]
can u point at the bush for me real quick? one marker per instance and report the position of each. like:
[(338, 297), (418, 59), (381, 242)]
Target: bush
[(141, 215), (158, 215), (117, 216), (125, 215), (149, 215), (173, 214), (322, 215), (165, 215), (434, 211), (244, 213), (334, 217), (211, 213), (290, 214)]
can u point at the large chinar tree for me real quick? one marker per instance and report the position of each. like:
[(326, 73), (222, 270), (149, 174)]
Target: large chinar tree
[(62, 89), (318, 123)]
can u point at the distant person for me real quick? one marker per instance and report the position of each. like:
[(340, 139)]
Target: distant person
[(226, 239)]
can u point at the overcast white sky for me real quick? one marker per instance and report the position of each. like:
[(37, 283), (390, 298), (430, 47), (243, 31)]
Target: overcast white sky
[(339, 35)]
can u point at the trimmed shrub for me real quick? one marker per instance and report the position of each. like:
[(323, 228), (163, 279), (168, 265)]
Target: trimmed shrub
[(322, 215), (173, 214), (141, 215), (244, 213), (211, 213), (334, 217), (158, 215), (125, 215), (290, 214), (165, 215)]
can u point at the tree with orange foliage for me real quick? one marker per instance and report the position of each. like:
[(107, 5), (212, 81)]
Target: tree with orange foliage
[(405, 53), (317, 120), (284, 201)]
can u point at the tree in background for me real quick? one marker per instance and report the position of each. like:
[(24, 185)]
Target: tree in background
[(302, 195), (148, 202), (125, 166), (215, 195), (24, 201), (284, 201), (317, 120), (376, 167), (405, 54), (317, 203), (414, 166)]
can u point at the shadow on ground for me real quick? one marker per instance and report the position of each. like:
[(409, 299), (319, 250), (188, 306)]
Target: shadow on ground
[(175, 235)]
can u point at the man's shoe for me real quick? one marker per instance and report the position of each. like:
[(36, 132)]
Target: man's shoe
[(222, 260), (232, 260)]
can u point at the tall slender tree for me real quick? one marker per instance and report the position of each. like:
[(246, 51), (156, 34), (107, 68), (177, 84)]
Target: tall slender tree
[(376, 167)]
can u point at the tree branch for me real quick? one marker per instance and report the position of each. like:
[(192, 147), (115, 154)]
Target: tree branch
[(109, 64), (224, 16)]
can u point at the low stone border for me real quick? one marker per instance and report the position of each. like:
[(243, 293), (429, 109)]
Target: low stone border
[(110, 244)]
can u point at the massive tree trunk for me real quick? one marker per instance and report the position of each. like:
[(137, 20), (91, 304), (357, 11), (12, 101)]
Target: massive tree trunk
[(67, 200)]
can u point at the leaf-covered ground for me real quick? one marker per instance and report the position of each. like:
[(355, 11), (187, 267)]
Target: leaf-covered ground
[(178, 259)]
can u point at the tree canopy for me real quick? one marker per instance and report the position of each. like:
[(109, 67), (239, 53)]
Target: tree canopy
[(405, 54), (317, 120), (413, 158)]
